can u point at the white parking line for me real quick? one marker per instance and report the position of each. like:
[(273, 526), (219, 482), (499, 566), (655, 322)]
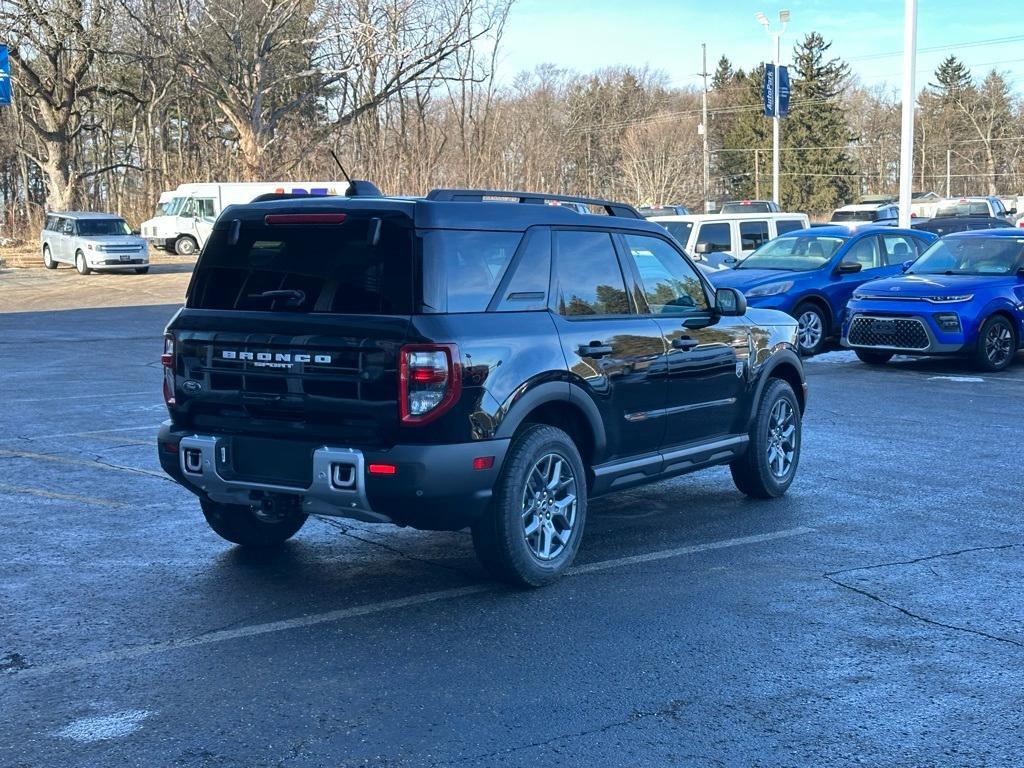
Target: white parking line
[(959, 379), (146, 393), (255, 630), (151, 427)]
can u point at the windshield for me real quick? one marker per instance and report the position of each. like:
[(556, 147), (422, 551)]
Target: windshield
[(855, 216), (971, 256), (94, 227), (172, 208), (965, 208), (680, 230), (794, 254)]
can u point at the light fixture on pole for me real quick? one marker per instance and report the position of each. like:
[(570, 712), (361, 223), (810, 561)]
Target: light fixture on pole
[(777, 50)]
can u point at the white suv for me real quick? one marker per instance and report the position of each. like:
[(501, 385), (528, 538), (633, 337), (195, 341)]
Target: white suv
[(101, 242), (716, 240)]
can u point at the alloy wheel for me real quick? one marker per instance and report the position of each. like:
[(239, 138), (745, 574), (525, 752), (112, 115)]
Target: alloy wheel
[(549, 506), (998, 344), (782, 438), (809, 330)]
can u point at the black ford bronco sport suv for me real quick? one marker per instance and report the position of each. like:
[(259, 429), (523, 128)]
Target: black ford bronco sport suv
[(473, 358)]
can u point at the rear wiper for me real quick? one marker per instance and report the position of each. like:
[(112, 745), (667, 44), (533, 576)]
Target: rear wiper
[(294, 296)]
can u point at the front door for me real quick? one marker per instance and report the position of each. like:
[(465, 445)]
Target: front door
[(611, 351), (706, 357)]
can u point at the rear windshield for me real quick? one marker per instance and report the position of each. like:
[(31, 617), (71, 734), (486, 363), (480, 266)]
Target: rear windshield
[(757, 206), (855, 216), (322, 268), (97, 227), (965, 208)]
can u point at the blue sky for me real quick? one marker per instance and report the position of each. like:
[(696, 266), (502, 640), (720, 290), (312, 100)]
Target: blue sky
[(666, 35)]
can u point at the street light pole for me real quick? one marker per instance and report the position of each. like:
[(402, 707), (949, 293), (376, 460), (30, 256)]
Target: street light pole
[(909, 98), (777, 120)]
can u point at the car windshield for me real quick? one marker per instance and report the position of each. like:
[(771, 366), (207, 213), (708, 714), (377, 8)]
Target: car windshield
[(794, 254), (971, 256), (95, 227), (172, 208), (680, 230)]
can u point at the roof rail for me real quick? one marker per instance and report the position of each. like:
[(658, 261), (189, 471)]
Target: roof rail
[(479, 195)]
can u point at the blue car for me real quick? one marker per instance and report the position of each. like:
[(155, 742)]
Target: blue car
[(812, 273), (964, 296)]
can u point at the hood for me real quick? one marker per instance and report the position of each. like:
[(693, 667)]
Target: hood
[(917, 286), (745, 279)]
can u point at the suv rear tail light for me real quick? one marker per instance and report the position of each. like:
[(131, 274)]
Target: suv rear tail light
[(167, 360), (429, 381)]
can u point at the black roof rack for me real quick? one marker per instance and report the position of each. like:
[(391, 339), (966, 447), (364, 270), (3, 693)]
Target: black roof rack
[(479, 195)]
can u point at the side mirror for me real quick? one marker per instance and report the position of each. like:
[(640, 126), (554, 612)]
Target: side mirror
[(730, 302), (907, 265), (703, 248), (1012, 212), (849, 267), (137, 232)]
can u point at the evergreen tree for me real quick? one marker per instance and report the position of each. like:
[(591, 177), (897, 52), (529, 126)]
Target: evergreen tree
[(953, 78), (724, 74)]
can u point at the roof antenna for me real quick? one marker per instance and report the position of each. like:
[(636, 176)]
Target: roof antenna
[(357, 188), (343, 171)]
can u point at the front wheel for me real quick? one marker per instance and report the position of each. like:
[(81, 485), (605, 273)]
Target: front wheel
[(531, 531), (186, 246), (812, 329), (997, 344), (142, 270), (252, 526), (48, 261), (81, 264), (768, 467), (873, 358)]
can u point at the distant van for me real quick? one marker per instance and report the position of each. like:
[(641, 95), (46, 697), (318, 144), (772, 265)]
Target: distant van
[(716, 240)]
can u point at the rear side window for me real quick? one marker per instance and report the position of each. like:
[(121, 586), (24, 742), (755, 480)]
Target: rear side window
[(717, 235), (589, 280), (51, 223), (462, 268), (332, 268), (753, 234), (782, 226), (527, 287)]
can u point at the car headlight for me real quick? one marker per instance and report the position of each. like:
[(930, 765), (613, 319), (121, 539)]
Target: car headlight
[(771, 289), (949, 299)]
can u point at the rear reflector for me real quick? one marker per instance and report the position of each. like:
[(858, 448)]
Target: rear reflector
[(382, 469), (272, 219), (483, 462)]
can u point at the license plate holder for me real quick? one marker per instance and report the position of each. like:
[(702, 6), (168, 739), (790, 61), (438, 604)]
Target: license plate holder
[(126, 257)]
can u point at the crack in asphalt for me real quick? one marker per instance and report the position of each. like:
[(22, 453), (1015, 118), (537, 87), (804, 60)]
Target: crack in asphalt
[(830, 576)]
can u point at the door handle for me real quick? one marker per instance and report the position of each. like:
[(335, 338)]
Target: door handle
[(595, 349), (684, 343)]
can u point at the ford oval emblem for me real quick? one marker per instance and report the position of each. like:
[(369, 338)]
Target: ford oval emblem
[(192, 386)]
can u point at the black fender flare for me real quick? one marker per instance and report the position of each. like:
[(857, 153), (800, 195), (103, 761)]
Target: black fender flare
[(764, 372), (554, 392)]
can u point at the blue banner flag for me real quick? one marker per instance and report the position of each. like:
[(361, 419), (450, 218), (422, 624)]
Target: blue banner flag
[(5, 76), (769, 91)]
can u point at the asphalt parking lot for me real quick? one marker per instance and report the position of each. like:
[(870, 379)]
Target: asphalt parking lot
[(873, 616)]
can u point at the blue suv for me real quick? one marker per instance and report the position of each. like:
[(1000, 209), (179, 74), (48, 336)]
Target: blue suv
[(812, 273), (964, 296)]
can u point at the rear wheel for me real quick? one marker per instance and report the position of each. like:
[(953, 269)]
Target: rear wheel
[(997, 344), (141, 270), (186, 245), (873, 358), (252, 526), (768, 467), (812, 328), (531, 531), (81, 265), (48, 261)]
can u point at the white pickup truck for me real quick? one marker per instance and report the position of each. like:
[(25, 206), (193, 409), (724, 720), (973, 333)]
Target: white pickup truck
[(185, 216)]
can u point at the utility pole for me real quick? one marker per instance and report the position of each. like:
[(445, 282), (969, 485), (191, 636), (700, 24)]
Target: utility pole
[(909, 98), (757, 173), (949, 166), (704, 125)]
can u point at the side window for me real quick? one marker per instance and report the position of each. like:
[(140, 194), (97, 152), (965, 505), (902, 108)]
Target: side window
[(897, 249), (670, 284), (205, 206), (717, 235), (782, 226), (68, 227), (528, 286), (753, 234), (51, 223), (588, 276), (864, 252)]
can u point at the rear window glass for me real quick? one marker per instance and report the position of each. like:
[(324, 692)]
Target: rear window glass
[(975, 208), (462, 269), (332, 268)]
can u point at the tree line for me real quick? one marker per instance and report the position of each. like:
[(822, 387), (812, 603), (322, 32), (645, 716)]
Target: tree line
[(118, 100)]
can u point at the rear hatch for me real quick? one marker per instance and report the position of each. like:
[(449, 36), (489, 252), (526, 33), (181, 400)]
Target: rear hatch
[(292, 328)]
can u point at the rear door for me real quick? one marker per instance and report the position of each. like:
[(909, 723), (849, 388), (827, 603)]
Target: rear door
[(616, 355), (704, 381), (866, 251), (295, 330)]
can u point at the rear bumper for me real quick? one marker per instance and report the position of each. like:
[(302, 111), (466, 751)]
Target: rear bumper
[(434, 487)]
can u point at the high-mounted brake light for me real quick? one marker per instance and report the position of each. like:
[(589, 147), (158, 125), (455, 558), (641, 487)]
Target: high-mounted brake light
[(167, 360), (382, 469), (273, 219), (429, 381)]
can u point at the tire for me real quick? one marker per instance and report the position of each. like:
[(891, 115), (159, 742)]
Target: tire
[(813, 328), (997, 345), (186, 245), (754, 473), (141, 270), (242, 525), (873, 358), (503, 546), (81, 264), (48, 261)]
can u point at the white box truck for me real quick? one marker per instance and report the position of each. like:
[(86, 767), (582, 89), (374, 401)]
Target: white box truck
[(185, 216)]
